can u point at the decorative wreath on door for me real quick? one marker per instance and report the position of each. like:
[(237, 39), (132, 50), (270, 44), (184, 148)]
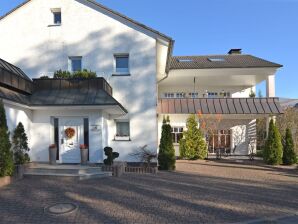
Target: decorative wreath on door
[(70, 132)]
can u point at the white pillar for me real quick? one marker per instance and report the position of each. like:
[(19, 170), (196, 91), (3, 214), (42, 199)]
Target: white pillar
[(270, 92), (270, 86)]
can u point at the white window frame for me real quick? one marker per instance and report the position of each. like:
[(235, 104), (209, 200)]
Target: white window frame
[(70, 58), (122, 138), (54, 11), (121, 55), (177, 132)]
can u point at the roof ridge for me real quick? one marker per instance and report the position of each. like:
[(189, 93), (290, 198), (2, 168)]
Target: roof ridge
[(105, 8)]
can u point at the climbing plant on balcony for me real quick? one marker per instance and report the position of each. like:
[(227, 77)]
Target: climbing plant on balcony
[(78, 74)]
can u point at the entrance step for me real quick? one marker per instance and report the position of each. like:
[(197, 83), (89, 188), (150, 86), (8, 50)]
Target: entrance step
[(71, 171)]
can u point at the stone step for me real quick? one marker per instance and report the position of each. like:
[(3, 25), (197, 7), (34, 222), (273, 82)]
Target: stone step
[(65, 170), (69, 176), (71, 171)]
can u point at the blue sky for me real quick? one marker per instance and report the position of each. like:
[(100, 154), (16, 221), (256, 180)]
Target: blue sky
[(264, 28)]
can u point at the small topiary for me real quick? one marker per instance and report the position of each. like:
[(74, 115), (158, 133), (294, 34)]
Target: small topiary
[(289, 155), (20, 145), (110, 156)]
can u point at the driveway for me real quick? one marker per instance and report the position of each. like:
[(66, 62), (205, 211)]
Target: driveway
[(198, 192)]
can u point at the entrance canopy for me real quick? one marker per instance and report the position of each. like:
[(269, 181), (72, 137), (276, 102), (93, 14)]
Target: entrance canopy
[(224, 106)]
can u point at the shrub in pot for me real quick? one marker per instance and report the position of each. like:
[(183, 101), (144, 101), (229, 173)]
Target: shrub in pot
[(84, 154), (110, 156)]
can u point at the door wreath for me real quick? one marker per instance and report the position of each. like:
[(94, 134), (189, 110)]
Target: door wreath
[(70, 132)]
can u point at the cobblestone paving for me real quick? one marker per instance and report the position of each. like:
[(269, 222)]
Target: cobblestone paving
[(198, 192)]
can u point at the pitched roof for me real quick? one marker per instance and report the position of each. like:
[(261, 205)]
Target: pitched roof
[(220, 61), (13, 69), (108, 10), (253, 106)]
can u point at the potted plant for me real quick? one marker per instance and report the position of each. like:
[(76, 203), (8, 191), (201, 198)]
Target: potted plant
[(52, 154), (84, 154)]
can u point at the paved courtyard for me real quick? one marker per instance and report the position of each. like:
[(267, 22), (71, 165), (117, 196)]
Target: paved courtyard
[(198, 192)]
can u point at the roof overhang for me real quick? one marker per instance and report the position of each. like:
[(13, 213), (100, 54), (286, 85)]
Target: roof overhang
[(223, 106)]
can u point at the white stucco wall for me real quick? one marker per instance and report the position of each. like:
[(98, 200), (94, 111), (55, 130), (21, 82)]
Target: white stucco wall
[(16, 114), (95, 35)]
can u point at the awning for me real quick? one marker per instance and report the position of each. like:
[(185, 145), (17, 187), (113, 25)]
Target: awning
[(254, 106)]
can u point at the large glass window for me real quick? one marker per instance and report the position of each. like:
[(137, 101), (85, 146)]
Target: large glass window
[(122, 64), (75, 64), (122, 129)]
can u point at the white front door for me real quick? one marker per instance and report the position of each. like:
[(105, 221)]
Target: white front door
[(70, 145)]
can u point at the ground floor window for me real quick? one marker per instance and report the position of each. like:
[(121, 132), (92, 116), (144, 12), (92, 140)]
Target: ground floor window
[(219, 139), (122, 129), (177, 134)]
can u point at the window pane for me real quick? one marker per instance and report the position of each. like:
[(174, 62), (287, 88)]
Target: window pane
[(173, 138), (121, 63), (122, 128), (57, 17), (76, 64), (179, 136)]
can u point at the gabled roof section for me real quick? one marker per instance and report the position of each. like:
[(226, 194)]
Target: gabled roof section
[(220, 61), (108, 10)]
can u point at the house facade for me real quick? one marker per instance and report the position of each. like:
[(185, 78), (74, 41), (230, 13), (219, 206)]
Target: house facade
[(139, 82)]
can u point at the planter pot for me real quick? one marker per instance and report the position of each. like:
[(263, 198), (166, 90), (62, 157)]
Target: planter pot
[(52, 155), (84, 156)]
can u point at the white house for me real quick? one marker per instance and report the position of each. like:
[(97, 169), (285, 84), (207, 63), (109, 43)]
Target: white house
[(139, 82)]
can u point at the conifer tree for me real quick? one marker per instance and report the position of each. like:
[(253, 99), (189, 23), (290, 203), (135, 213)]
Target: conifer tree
[(273, 148), (195, 144), (166, 156), (20, 145), (6, 157), (289, 155)]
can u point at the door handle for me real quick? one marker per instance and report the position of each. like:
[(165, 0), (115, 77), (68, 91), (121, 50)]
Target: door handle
[(62, 141)]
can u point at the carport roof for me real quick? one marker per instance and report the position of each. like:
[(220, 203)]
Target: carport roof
[(243, 106)]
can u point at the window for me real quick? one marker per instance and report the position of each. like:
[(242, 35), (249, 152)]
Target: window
[(193, 95), (180, 95), (219, 139), (216, 59), (122, 64), (57, 16), (169, 95), (177, 134), (122, 129), (185, 60), (75, 64)]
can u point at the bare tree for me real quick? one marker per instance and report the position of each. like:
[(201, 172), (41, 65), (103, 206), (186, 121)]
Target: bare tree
[(144, 155)]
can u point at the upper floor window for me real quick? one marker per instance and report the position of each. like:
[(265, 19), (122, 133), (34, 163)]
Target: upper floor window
[(193, 95), (57, 16), (75, 64), (180, 95), (122, 64), (169, 95)]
